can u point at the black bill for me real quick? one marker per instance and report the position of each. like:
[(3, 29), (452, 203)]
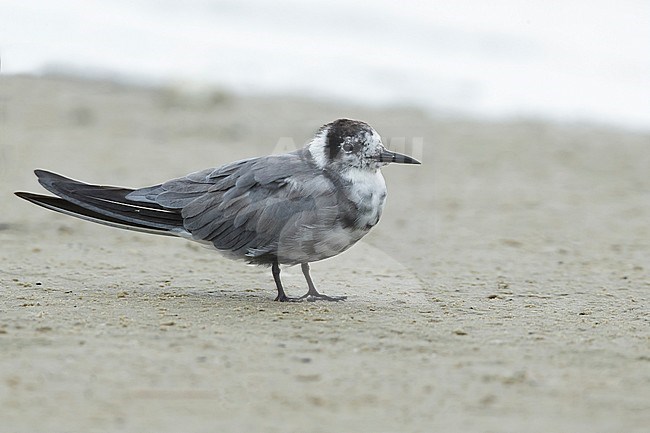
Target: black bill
[(388, 156)]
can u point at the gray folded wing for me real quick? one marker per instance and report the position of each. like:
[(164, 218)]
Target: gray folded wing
[(259, 209)]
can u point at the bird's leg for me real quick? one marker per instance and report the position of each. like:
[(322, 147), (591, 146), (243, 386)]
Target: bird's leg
[(312, 294), (282, 297)]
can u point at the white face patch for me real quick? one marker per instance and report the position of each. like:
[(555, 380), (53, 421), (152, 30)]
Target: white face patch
[(318, 149), (367, 156), (373, 148)]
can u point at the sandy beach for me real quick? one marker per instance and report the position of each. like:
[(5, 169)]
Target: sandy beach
[(506, 288)]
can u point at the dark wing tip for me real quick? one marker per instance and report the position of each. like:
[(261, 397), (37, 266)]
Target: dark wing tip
[(25, 195), (40, 173), (45, 176), (29, 196)]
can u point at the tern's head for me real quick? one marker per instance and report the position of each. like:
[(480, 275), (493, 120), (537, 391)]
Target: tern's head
[(347, 143)]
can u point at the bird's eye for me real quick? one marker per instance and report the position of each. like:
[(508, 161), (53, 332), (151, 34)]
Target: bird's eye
[(348, 147)]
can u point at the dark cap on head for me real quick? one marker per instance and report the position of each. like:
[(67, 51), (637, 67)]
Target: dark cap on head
[(341, 129)]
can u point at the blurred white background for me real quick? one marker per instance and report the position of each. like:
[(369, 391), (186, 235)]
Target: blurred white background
[(574, 60)]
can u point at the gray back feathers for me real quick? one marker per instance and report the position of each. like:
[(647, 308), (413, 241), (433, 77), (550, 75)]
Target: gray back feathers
[(275, 207)]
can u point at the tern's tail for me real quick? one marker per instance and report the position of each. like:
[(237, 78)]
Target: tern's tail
[(106, 205)]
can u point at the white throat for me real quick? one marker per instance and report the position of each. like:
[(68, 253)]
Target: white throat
[(368, 192), (365, 182)]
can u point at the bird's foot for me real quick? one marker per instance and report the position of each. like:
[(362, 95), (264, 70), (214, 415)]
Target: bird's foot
[(285, 298), (312, 297)]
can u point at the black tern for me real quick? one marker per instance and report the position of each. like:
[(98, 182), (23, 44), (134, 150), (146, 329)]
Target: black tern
[(289, 209)]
